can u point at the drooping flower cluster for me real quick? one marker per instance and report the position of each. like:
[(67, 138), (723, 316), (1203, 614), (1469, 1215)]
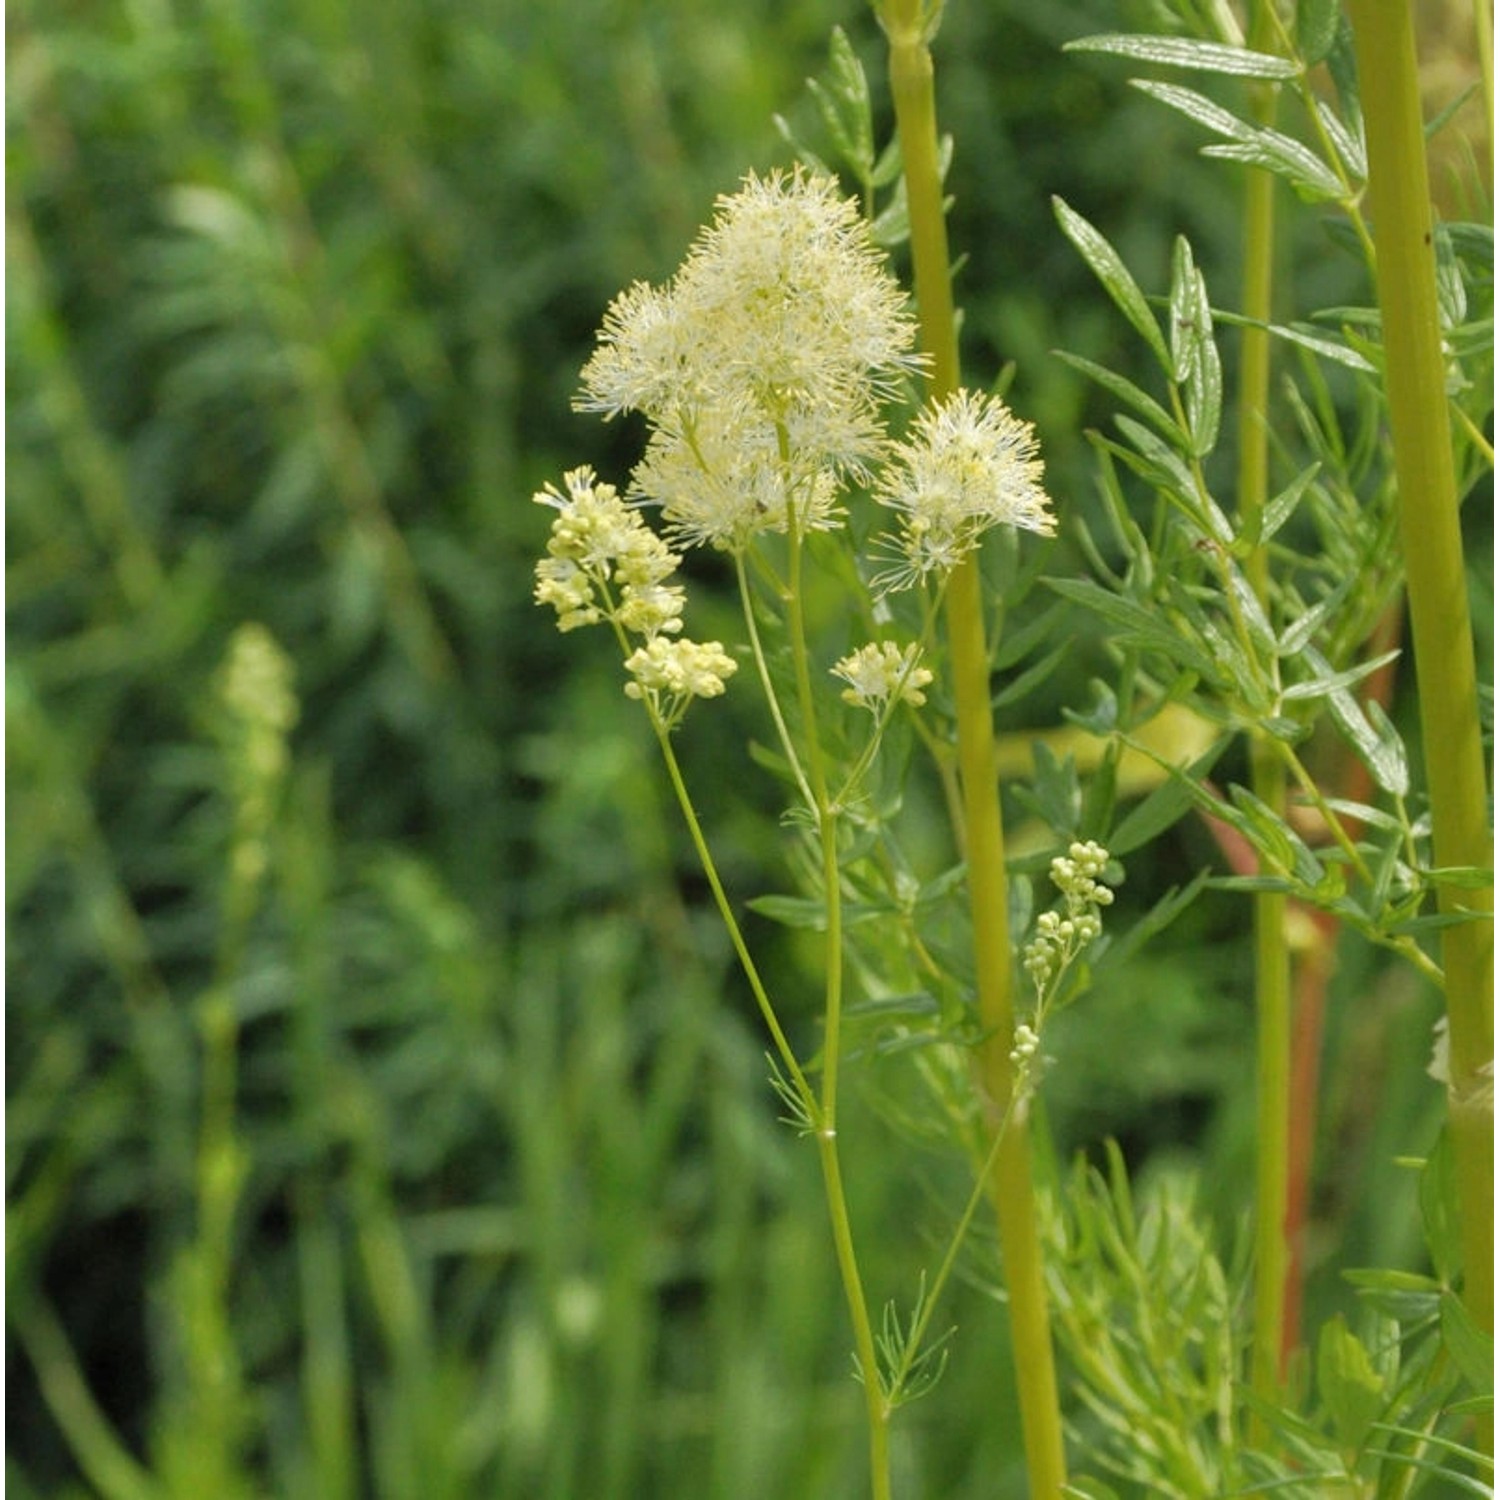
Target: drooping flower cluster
[(1060, 938), (604, 563), (760, 365), (880, 670), (968, 464)]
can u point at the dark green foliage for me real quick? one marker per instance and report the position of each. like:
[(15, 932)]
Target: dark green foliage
[(398, 1125)]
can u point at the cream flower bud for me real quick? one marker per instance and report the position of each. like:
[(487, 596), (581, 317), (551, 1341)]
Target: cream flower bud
[(603, 562), (669, 673), (878, 670)]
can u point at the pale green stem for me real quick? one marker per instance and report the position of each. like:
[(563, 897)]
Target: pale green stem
[(773, 703), (731, 922), (105, 1460), (918, 1332), (1437, 596), (877, 1409), (1273, 986), (819, 1113), (1484, 47), (1011, 1176)]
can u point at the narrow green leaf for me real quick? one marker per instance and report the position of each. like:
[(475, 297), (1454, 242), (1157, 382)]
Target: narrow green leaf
[(1124, 390), (1380, 748), (1274, 837), (1462, 877), (1316, 27), (918, 1004), (1317, 343), (1473, 1350), (1282, 506), (1187, 307), (1350, 148), (804, 912), (1393, 748), (888, 168), (1197, 107), (1398, 1294), (1310, 178), (1190, 54), (1137, 624), (1437, 1195), (1194, 352), (1171, 475), (1251, 611), (804, 153), (1321, 686), (1362, 812), (1103, 260)]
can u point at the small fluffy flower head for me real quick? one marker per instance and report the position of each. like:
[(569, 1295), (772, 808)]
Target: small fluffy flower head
[(968, 464), (877, 671), (721, 480)]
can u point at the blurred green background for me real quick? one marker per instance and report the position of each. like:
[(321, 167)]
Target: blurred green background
[(447, 1165)]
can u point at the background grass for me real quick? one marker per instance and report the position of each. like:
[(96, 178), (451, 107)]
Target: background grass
[(298, 293)]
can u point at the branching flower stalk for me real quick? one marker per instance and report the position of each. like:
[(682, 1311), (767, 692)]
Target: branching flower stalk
[(760, 367), (909, 26), (1442, 639)]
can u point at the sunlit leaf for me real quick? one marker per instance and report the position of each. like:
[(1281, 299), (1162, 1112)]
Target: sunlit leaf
[(1106, 264), (1190, 54)]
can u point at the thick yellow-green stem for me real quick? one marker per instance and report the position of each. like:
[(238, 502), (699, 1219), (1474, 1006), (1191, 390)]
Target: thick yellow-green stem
[(984, 849), (1272, 961), (1437, 598)]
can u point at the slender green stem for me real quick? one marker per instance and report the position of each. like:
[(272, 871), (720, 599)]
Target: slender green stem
[(731, 922), (907, 28), (918, 1332), (105, 1460), (773, 702), (877, 1408), (1442, 639), (1273, 985), (1314, 794)]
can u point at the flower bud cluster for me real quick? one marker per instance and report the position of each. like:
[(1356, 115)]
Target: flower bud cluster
[(604, 563), (1062, 936), (880, 670)]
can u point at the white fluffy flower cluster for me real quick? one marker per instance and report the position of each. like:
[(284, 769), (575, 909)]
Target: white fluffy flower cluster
[(604, 563), (968, 464), (760, 365)]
